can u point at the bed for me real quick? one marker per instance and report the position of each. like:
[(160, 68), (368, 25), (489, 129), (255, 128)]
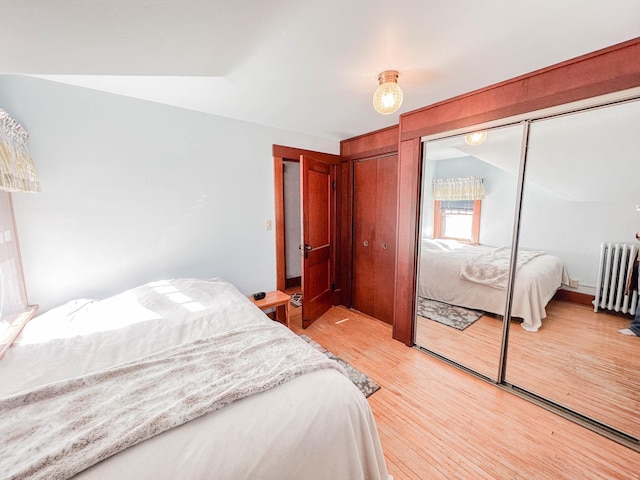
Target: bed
[(475, 277), (314, 425)]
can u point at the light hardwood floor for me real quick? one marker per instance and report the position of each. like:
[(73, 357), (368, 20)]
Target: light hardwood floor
[(439, 422), (577, 359)]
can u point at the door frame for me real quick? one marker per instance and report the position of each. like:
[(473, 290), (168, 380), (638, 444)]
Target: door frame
[(292, 154)]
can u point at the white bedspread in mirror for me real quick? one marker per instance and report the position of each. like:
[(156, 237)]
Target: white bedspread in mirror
[(316, 426), (440, 279)]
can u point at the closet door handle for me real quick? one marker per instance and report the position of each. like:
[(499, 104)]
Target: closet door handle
[(384, 246), (366, 243)]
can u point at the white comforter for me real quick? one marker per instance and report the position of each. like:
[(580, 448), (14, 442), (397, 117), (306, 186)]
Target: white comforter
[(491, 266), (537, 280), (316, 426)]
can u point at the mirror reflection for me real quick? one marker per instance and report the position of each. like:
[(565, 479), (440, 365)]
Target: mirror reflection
[(581, 205), (468, 203)]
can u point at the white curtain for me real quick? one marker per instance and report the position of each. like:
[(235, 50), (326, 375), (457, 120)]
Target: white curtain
[(17, 172), (464, 188)]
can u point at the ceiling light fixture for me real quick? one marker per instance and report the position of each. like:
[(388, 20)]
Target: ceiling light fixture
[(476, 138), (388, 96)]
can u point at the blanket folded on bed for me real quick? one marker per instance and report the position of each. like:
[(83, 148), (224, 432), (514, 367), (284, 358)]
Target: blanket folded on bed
[(60, 429), (492, 268)]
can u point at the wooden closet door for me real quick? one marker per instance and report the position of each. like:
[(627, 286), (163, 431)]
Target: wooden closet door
[(364, 230), (384, 250), (375, 191)]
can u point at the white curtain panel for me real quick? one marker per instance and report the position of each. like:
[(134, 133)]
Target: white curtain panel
[(462, 188), (17, 171)]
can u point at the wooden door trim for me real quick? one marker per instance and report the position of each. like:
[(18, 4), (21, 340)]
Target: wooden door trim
[(371, 145), (345, 242), (281, 246), (604, 71), (293, 154), (409, 174)]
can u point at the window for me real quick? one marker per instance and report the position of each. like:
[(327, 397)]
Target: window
[(14, 308), (18, 174), (457, 220), (457, 208)]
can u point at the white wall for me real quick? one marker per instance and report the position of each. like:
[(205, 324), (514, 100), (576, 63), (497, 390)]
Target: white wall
[(135, 191), (496, 220), (573, 231)]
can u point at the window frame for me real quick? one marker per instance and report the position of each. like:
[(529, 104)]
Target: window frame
[(20, 312), (438, 217)]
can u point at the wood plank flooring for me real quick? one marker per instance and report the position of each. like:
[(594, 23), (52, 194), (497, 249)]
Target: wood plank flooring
[(577, 359), (439, 422)]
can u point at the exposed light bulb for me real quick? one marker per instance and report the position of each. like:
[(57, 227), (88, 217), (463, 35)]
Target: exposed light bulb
[(388, 96), (388, 100), (476, 138)]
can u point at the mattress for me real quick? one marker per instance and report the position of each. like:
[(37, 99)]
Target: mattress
[(440, 279), (316, 426)]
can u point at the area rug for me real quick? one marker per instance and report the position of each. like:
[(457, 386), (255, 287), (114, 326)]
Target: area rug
[(450, 315), (367, 386)]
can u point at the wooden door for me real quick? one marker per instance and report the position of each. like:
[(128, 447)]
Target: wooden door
[(317, 197), (364, 231), (385, 246), (374, 236)]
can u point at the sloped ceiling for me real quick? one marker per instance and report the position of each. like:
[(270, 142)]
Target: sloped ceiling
[(304, 66), (588, 156)]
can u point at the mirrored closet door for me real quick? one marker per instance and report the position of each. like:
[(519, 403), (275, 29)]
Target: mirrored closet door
[(580, 200), (468, 204)]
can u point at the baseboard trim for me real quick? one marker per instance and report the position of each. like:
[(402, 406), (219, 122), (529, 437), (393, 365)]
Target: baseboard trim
[(574, 297), (293, 282)]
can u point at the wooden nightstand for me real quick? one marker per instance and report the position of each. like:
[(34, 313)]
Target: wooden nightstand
[(273, 300)]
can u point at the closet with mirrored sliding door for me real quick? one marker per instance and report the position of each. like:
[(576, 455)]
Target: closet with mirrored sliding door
[(557, 230), (559, 214)]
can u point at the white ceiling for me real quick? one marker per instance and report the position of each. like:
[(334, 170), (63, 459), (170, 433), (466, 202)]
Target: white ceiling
[(309, 67)]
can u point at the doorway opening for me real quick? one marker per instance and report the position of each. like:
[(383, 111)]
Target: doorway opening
[(291, 225)]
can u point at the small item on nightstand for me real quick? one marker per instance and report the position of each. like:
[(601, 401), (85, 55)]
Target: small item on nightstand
[(273, 300)]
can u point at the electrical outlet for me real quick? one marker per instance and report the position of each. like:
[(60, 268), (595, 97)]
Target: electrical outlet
[(573, 283), (267, 225)]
